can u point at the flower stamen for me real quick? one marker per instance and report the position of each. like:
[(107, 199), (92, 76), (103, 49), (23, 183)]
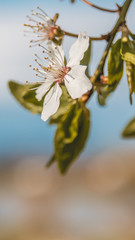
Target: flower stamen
[(45, 28)]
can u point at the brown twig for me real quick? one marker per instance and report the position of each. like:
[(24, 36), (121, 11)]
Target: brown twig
[(103, 37), (102, 9)]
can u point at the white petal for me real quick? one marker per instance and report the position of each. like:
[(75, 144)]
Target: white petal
[(49, 21), (78, 49), (41, 91), (51, 102), (76, 81), (56, 52)]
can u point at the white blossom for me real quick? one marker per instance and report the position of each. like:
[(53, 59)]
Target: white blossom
[(57, 72), (42, 26)]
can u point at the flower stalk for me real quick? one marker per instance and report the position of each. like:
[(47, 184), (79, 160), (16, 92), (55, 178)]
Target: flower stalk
[(103, 37)]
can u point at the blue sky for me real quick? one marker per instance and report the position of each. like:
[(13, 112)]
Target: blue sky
[(23, 133)]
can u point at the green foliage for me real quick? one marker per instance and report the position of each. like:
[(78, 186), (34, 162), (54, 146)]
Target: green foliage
[(130, 71), (129, 131), (30, 97), (86, 59), (128, 54), (128, 50), (115, 72), (104, 93), (115, 63), (26, 98), (71, 135), (72, 119)]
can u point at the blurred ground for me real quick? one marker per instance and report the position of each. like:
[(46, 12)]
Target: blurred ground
[(93, 201)]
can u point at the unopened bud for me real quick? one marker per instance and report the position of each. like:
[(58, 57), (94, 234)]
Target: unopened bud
[(104, 79)]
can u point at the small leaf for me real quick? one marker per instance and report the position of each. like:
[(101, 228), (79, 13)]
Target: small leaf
[(104, 93), (128, 50), (86, 59), (26, 98), (129, 131), (115, 73), (130, 71), (71, 136), (115, 63)]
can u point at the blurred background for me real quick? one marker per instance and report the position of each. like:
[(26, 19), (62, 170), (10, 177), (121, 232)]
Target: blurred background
[(96, 199)]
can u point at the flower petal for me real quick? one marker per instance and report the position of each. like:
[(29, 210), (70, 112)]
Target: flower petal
[(76, 81), (41, 91), (56, 52), (51, 102), (78, 49), (49, 21)]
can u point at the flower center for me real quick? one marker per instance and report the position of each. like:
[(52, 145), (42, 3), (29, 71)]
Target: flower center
[(52, 32), (60, 75)]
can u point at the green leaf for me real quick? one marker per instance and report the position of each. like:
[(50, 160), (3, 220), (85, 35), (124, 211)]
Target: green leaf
[(30, 97), (130, 71), (65, 103), (26, 98), (115, 63), (128, 50), (115, 73), (129, 131), (71, 135), (86, 59), (104, 93)]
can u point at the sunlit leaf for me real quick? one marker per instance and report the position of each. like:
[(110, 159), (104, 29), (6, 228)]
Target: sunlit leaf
[(115, 73), (115, 63), (26, 98), (71, 135), (128, 50), (129, 130), (130, 71)]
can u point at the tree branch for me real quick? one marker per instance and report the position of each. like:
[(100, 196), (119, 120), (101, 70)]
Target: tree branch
[(102, 9), (103, 37), (120, 21)]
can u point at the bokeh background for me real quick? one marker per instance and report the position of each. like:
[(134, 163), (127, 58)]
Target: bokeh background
[(95, 200)]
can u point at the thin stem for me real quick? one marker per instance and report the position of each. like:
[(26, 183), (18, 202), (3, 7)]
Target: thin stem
[(100, 8), (121, 20), (103, 37), (70, 34)]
